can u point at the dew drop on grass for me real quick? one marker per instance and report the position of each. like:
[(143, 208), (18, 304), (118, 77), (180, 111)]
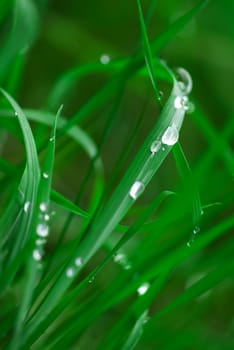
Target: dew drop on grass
[(37, 255), (119, 257), (40, 242), (51, 139), (47, 217), (91, 279), (137, 189), (78, 261), (196, 230), (43, 206), (70, 272), (185, 80), (155, 146), (181, 102), (26, 206), (45, 175), (42, 230), (105, 59), (170, 136), (143, 288)]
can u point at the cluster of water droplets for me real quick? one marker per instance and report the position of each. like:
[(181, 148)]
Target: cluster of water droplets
[(72, 269)]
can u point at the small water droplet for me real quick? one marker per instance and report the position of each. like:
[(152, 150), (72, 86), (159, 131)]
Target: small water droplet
[(105, 59), (196, 230), (43, 206), (51, 139), (189, 243), (185, 80), (137, 189), (143, 288), (42, 230), (37, 255), (47, 217), (155, 146), (16, 114), (26, 206), (181, 102), (119, 257), (91, 279), (78, 261), (70, 272), (45, 175), (170, 136), (127, 266), (40, 242)]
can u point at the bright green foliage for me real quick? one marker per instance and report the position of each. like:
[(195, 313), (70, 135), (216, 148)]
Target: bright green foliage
[(109, 237)]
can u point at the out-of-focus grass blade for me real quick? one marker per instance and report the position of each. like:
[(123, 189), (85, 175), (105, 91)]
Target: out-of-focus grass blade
[(148, 54), (136, 332), (5, 6), (25, 25)]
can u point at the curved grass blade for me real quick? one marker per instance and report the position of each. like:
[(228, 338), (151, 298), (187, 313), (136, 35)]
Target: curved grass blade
[(33, 263)]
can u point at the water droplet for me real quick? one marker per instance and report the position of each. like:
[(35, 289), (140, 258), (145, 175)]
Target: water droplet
[(137, 189), (43, 206), (45, 175), (47, 217), (26, 206), (196, 230), (181, 102), (119, 257), (40, 242), (127, 266), (42, 230), (91, 279), (143, 288), (16, 114), (105, 59), (37, 255), (185, 80), (189, 243), (70, 272), (51, 139), (155, 146), (170, 136), (78, 261)]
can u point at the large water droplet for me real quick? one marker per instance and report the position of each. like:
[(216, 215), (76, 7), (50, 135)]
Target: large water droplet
[(43, 206), (26, 206), (155, 146), (181, 102), (42, 230), (37, 255), (170, 136), (143, 288), (137, 189), (105, 59), (70, 272), (185, 81), (78, 261)]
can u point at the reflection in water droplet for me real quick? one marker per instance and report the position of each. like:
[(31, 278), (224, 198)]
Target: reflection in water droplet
[(26, 206), (155, 146), (105, 59), (78, 261), (137, 189), (170, 136), (45, 175), (70, 272), (43, 206), (181, 102), (185, 80), (37, 255), (42, 230), (143, 288)]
